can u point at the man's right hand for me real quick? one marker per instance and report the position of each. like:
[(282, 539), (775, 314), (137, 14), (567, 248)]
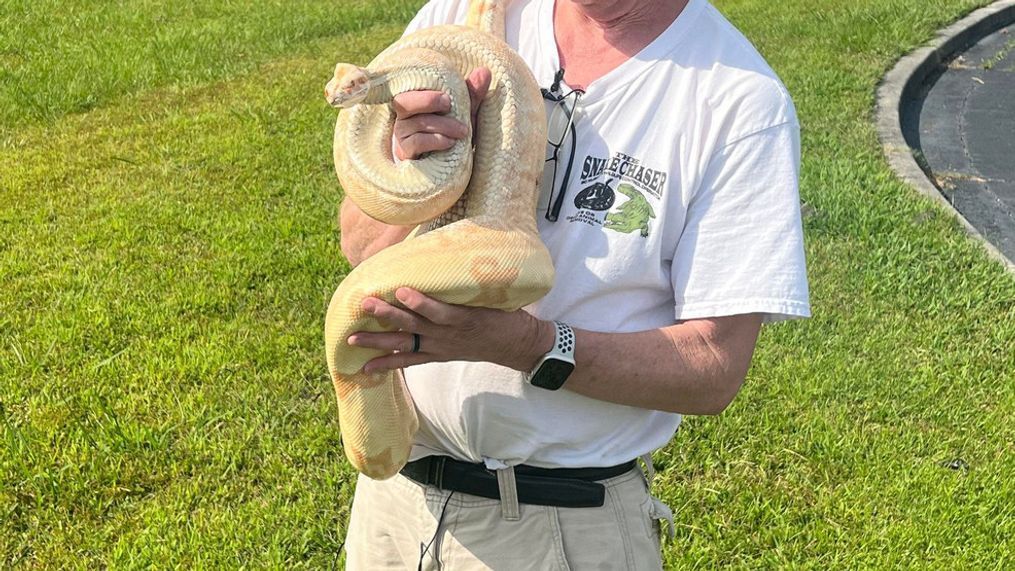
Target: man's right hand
[(421, 121)]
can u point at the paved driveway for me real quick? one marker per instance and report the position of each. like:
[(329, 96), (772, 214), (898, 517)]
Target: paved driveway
[(967, 136)]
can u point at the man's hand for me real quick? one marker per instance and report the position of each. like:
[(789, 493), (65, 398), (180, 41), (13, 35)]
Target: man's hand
[(421, 123), (452, 333)]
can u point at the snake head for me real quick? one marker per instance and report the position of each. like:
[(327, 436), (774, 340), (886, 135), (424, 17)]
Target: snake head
[(348, 87)]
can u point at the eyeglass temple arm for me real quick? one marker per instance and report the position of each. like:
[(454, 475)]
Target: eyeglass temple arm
[(559, 202)]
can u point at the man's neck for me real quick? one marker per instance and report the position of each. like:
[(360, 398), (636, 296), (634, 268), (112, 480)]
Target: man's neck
[(596, 36), (624, 23)]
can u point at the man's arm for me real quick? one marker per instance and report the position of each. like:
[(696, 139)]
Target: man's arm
[(363, 236), (693, 367)]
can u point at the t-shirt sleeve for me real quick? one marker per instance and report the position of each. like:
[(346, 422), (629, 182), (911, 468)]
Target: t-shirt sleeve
[(741, 249)]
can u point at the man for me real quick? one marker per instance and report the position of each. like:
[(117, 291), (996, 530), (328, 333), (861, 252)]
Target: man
[(676, 235)]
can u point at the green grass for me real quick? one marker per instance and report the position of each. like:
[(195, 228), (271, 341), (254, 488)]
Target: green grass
[(59, 57), (168, 245)]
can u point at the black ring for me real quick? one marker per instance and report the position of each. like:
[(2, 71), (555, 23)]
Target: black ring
[(415, 343)]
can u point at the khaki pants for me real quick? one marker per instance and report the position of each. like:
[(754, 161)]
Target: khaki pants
[(394, 521)]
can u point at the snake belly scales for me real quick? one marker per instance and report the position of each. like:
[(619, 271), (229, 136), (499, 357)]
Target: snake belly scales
[(473, 206)]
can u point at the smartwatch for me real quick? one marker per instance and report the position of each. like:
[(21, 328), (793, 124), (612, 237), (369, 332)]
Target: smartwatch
[(553, 369)]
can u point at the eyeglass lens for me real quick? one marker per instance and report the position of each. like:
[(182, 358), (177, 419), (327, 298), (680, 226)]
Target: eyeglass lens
[(560, 119)]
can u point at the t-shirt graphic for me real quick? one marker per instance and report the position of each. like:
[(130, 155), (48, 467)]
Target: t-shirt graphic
[(635, 182)]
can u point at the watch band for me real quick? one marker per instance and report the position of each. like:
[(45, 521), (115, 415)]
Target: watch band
[(563, 341), (556, 365)]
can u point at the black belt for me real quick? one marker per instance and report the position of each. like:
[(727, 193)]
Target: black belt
[(561, 487)]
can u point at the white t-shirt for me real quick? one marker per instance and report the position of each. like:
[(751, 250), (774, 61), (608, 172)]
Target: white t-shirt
[(682, 204)]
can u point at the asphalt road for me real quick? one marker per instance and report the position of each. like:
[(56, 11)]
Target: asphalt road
[(966, 134)]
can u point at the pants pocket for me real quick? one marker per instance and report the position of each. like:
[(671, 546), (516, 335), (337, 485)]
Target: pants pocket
[(616, 535), (594, 538)]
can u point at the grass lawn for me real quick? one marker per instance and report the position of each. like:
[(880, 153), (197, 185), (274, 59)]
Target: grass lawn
[(168, 246)]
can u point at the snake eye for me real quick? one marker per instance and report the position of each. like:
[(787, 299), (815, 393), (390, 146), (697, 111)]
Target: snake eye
[(355, 83)]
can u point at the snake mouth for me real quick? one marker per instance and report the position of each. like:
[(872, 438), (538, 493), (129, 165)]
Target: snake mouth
[(345, 97), (337, 101)]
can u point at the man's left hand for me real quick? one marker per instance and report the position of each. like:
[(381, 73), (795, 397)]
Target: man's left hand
[(451, 333)]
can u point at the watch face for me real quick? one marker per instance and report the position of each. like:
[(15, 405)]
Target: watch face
[(552, 374)]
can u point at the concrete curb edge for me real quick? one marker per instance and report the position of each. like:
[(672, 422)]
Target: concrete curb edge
[(907, 75)]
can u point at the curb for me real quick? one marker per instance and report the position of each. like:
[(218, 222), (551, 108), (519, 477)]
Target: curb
[(903, 83)]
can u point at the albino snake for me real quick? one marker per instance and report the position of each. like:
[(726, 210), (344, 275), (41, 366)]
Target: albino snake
[(476, 241)]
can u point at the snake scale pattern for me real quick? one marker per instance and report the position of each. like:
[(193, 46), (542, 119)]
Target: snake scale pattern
[(473, 206)]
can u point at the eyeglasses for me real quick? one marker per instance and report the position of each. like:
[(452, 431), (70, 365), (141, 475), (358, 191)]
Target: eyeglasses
[(561, 123)]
